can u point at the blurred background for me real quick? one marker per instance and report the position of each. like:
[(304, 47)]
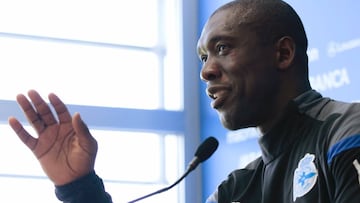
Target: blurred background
[(130, 68)]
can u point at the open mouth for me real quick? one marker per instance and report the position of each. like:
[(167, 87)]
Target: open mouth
[(213, 96), (218, 94), (218, 99)]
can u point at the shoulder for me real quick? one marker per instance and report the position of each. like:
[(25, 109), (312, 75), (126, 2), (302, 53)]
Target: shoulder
[(343, 121), (344, 118), (339, 119), (339, 122)]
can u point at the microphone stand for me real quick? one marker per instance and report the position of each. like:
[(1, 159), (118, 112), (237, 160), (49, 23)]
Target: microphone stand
[(166, 188), (204, 151)]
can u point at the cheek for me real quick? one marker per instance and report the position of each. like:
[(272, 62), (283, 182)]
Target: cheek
[(261, 92), (254, 90)]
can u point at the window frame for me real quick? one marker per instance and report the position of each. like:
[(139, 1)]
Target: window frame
[(184, 122)]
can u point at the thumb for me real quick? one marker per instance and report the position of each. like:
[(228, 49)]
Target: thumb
[(81, 129)]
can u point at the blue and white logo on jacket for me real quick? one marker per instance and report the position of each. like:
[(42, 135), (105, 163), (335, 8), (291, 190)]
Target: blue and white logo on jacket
[(305, 176)]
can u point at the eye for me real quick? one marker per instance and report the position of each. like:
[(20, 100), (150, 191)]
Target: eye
[(221, 48), (203, 58)]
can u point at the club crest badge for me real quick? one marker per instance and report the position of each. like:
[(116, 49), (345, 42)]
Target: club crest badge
[(305, 176)]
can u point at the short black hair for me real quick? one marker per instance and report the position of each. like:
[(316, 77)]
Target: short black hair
[(271, 20)]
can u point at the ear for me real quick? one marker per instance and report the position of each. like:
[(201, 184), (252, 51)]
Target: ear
[(285, 52)]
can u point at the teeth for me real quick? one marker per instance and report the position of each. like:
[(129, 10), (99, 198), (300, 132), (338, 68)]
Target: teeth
[(213, 96)]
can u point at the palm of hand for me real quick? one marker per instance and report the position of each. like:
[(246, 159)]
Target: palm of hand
[(64, 147), (62, 156)]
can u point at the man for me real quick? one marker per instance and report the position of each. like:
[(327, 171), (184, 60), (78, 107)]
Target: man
[(255, 67)]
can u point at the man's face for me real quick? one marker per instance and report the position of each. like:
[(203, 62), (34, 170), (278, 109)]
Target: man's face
[(239, 71)]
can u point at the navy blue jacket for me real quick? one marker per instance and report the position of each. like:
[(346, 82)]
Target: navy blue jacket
[(311, 155)]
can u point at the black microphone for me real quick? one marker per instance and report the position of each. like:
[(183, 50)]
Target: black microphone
[(203, 152)]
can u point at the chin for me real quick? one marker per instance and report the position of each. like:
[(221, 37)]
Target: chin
[(229, 125), (234, 124)]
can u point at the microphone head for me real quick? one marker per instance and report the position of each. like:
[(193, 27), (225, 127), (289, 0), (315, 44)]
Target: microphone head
[(206, 149)]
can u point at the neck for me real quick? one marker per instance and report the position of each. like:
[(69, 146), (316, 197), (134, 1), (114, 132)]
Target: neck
[(281, 104)]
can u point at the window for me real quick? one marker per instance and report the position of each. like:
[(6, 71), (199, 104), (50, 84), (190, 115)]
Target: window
[(118, 63), (119, 52)]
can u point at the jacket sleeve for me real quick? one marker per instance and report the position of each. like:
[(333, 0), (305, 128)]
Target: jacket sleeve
[(343, 155), (344, 166), (89, 188)]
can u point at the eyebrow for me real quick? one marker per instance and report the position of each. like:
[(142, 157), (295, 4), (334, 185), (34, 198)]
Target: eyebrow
[(220, 38), (213, 40)]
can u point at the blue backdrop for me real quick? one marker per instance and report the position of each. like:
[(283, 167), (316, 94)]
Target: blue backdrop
[(334, 60)]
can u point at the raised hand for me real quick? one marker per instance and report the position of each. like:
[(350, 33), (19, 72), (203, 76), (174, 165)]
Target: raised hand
[(64, 146)]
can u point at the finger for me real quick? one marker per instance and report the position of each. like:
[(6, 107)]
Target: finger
[(82, 130), (24, 136), (30, 113), (42, 108), (62, 112), (80, 127)]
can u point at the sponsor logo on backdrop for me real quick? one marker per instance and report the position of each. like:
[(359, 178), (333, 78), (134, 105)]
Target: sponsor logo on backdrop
[(313, 54), (330, 80), (338, 47)]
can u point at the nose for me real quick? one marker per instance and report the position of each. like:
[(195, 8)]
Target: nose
[(210, 71)]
